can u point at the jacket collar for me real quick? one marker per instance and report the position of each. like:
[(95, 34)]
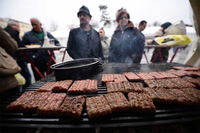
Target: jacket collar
[(130, 25), (104, 39), (36, 31), (86, 31), (11, 29), (8, 27)]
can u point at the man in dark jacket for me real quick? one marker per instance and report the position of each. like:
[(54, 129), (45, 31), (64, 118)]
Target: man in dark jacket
[(84, 42), (142, 26), (37, 36), (13, 30)]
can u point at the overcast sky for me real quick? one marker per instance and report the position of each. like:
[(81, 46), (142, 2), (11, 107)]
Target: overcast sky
[(64, 12)]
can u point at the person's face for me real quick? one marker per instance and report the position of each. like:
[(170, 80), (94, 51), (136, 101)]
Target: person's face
[(84, 18), (15, 27), (123, 20), (143, 26), (37, 26), (101, 33), (161, 29)]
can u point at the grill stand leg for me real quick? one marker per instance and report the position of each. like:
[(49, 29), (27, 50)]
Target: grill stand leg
[(174, 54), (64, 55), (146, 57), (30, 61)]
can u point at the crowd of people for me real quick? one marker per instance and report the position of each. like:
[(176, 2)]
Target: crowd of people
[(125, 46)]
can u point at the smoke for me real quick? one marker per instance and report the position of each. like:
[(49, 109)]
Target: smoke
[(127, 47)]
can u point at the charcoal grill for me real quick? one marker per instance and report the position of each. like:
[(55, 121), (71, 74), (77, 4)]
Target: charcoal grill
[(165, 113)]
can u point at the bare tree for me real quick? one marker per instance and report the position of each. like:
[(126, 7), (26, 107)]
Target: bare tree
[(114, 22), (105, 15), (54, 26)]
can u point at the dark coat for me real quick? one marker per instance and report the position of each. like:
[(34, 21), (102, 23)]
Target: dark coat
[(8, 46), (15, 35), (7, 42), (164, 53), (31, 38), (84, 44), (126, 44)]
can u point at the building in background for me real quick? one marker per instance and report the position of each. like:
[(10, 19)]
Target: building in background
[(24, 27), (3, 22), (62, 36)]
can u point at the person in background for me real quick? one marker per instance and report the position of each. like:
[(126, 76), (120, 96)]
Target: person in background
[(38, 36), (13, 29), (105, 42), (157, 34), (127, 44), (142, 26), (10, 79), (84, 42), (164, 51)]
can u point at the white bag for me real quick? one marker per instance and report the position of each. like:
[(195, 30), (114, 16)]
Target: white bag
[(177, 28)]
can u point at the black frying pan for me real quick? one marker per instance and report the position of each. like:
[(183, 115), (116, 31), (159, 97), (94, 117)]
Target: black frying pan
[(75, 69)]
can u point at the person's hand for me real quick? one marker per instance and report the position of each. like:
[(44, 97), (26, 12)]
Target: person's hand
[(149, 42)]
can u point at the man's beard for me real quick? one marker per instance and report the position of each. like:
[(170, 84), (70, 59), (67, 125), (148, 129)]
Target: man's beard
[(83, 24)]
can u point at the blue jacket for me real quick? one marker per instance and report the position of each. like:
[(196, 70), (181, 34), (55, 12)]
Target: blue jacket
[(84, 44), (31, 38), (126, 46)]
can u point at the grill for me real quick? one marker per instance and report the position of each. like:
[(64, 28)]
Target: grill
[(165, 113)]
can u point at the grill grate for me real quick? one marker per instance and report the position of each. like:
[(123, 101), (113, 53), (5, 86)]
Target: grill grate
[(165, 113)]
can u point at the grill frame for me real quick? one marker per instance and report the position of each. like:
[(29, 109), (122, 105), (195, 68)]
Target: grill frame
[(165, 113)]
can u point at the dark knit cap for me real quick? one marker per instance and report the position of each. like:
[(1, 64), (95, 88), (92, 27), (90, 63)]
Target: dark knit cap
[(85, 10), (165, 26)]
